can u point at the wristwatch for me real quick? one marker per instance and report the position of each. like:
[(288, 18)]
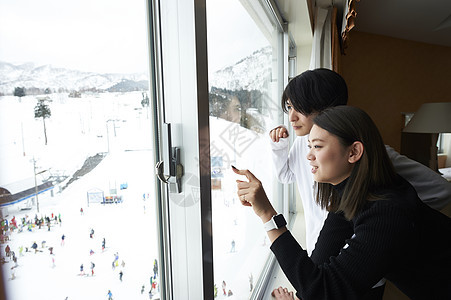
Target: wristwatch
[(276, 222)]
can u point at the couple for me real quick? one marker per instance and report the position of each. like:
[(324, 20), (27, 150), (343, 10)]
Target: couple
[(364, 221)]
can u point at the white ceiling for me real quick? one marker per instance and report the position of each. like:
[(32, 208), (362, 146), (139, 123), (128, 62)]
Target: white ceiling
[(427, 21)]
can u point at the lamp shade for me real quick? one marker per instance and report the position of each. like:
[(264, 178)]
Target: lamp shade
[(431, 118)]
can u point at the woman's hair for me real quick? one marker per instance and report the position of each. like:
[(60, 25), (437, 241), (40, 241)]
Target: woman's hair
[(373, 171), (314, 91)]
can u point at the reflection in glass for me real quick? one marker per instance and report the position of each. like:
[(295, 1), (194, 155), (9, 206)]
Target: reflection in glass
[(242, 80)]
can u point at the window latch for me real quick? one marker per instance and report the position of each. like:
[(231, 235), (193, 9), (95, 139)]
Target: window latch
[(170, 163)]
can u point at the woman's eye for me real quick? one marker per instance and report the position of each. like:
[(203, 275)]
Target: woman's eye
[(288, 107)]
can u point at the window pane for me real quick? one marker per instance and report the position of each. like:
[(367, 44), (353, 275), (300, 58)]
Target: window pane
[(75, 128), (244, 95)]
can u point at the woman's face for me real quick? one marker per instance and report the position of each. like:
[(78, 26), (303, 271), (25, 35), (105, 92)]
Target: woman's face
[(329, 159)]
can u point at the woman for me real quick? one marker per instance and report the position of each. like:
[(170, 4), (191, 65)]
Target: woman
[(390, 232)]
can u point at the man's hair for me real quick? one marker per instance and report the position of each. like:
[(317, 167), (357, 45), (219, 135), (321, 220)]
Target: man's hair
[(314, 91), (371, 173)]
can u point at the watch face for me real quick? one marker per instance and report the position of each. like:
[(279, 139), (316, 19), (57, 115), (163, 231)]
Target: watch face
[(280, 221)]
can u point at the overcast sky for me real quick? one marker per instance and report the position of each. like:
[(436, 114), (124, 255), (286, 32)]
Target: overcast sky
[(92, 35), (109, 35)]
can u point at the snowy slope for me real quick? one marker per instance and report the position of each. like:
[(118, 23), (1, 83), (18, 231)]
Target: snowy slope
[(42, 77), (251, 73)]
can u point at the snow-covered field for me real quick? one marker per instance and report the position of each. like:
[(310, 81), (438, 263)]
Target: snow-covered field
[(114, 123), (77, 129)]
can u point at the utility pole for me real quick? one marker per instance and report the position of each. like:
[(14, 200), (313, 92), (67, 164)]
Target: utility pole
[(35, 184)]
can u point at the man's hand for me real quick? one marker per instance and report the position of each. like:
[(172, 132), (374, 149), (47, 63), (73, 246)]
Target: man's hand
[(278, 133)]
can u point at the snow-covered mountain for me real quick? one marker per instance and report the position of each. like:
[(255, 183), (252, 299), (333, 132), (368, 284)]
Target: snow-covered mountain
[(57, 79), (250, 73)]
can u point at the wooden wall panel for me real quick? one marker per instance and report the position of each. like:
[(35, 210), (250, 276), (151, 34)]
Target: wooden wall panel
[(387, 76)]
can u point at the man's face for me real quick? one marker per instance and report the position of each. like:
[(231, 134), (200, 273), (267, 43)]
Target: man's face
[(302, 124)]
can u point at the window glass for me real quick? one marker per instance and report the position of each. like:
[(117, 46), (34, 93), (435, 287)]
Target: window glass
[(77, 177), (244, 80)]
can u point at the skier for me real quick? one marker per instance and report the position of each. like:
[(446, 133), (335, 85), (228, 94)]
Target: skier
[(35, 247), (120, 275), (110, 295), (116, 259), (8, 251), (92, 233), (224, 285), (233, 246), (81, 270), (103, 244), (92, 268), (142, 289), (13, 223), (155, 269), (14, 258), (81, 211), (62, 239)]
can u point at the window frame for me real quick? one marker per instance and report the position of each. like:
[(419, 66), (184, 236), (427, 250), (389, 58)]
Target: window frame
[(205, 284)]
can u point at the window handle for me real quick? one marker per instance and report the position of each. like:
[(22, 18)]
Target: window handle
[(159, 168), (176, 172), (170, 163)]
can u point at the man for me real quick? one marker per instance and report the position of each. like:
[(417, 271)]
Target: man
[(305, 96)]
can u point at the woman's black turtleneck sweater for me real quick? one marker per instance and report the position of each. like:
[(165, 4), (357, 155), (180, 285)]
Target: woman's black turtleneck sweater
[(399, 238)]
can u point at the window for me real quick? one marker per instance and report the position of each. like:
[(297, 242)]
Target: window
[(77, 175), (245, 78), (84, 123)]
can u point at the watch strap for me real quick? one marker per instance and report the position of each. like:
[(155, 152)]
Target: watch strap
[(275, 222)]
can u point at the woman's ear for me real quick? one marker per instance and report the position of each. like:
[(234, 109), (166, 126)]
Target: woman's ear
[(355, 152)]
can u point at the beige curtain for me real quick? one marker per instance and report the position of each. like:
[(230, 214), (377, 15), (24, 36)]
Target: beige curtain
[(329, 41), (321, 46)]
